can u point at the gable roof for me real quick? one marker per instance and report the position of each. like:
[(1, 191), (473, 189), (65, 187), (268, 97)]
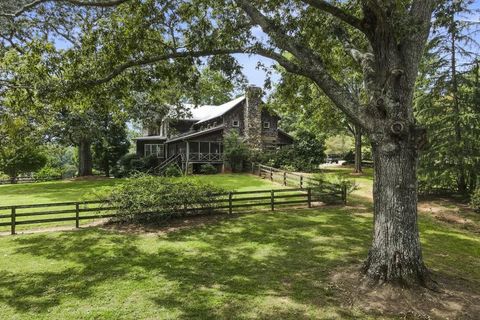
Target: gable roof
[(209, 112), (193, 134)]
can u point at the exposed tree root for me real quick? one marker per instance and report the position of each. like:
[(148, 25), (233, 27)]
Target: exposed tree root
[(449, 298)]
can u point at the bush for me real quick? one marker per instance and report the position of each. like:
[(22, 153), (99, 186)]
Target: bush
[(235, 151), (47, 172), (172, 170), (208, 169), (289, 157), (128, 164), (150, 163), (475, 200), (69, 171), (148, 198), (288, 167)]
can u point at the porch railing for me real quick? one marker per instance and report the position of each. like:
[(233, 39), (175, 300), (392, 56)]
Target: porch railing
[(211, 157)]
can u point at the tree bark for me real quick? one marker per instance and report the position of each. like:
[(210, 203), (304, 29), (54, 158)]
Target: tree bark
[(358, 149), (396, 254), (85, 162), (107, 168)]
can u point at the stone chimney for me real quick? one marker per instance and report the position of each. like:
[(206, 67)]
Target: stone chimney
[(253, 117)]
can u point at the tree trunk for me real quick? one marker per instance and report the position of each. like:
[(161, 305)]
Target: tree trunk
[(358, 149), (396, 254), (85, 163), (107, 168)]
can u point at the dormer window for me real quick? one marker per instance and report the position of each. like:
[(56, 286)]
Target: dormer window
[(235, 123), (266, 125)]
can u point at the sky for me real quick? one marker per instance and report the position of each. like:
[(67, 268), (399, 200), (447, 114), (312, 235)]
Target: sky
[(256, 76)]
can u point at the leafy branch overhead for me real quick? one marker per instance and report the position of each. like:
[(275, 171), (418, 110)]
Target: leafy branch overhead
[(162, 44), (157, 31)]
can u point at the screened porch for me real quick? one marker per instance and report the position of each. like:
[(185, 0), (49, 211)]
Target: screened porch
[(204, 151)]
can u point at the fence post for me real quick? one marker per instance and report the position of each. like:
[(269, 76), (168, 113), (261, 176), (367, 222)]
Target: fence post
[(272, 200), (284, 178), (309, 197), (14, 219), (301, 182), (77, 215), (344, 194), (230, 209), (271, 174), (259, 170), (253, 167)]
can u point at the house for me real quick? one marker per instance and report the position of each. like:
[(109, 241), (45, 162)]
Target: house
[(197, 138)]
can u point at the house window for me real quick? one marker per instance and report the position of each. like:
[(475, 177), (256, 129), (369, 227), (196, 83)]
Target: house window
[(235, 123), (214, 124), (156, 149), (266, 125)]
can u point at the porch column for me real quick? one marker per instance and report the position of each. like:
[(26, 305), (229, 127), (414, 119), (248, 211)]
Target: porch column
[(188, 152)]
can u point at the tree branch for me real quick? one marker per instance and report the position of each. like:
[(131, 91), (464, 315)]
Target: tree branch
[(84, 3), (339, 13), (154, 59), (317, 70)]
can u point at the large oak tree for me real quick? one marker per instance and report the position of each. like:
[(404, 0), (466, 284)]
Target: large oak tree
[(386, 38)]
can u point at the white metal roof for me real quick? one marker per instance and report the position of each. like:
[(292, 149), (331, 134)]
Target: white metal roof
[(151, 138), (208, 112)]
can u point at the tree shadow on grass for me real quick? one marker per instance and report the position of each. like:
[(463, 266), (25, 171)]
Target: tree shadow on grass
[(260, 266)]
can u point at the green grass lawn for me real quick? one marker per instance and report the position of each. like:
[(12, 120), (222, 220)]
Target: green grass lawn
[(265, 265), (253, 266), (79, 190)]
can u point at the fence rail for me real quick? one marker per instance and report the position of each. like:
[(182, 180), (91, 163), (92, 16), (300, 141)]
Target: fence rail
[(294, 179), (29, 179), (32, 214)]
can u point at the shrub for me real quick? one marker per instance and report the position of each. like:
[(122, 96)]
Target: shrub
[(129, 164), (208, 169), (69, 171), (47, 172), (306, 154), (235, 150), (172, 170), (148, 198), (150, 163), (288, 167), (475, 200)]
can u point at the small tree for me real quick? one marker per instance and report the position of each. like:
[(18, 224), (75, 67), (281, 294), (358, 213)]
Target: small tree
[(111, 147), (25, 160), (235, 151)]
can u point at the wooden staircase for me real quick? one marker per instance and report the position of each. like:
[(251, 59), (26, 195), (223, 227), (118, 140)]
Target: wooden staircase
[(158, 170)]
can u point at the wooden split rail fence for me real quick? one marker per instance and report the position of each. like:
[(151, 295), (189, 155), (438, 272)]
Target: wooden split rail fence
[(296, 180), (29, 180), (20, 215)]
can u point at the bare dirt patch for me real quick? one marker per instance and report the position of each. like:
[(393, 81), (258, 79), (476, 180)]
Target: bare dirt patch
[(457, 299), (452, 212), (167, 226)]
